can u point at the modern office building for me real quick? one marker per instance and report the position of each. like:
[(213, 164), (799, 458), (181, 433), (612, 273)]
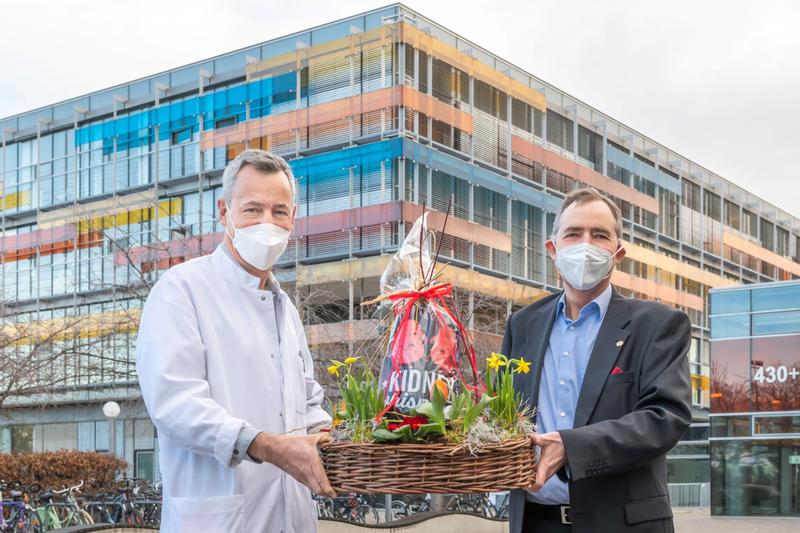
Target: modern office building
[(755, 400), (379, 114)]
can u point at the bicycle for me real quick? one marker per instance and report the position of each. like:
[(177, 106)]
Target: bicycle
[(22, 518), (117, 509), (72, 514)]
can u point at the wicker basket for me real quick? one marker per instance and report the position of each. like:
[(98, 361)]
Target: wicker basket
[(428, 468)]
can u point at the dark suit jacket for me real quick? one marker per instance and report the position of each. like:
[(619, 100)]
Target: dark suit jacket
[(624, 422)]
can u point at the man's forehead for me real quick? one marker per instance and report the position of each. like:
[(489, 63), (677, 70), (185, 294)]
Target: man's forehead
[(262, 202), (595, 211)]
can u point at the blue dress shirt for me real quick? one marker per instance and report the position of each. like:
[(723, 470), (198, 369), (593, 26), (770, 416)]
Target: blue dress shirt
[(565, 361)]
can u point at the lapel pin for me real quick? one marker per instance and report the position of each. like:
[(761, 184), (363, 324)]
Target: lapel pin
[(620, 343)]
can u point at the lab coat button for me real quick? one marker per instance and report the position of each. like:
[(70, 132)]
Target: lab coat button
[(263, 298)]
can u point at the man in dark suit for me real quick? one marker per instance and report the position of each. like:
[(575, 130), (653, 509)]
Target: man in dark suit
[(610, 383)]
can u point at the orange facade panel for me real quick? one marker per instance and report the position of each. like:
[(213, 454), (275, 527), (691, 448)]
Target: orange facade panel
[(337, 110), (581, 173), (734, 241), (436, 109), (656, 291), (458, 227), (302, 118), (673, 266)]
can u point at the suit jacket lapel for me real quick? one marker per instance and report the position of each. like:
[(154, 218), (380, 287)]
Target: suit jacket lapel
[(538, 336), (606, 349)]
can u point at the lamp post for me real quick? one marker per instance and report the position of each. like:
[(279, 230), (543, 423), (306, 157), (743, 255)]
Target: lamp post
[(111, 411)]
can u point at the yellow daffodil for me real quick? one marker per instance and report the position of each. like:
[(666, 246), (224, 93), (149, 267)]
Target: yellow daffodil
[(351, 360), (334, 369), (496, 361), (522, 366)]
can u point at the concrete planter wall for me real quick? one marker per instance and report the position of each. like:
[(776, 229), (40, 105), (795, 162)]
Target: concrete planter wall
[(421, 523)]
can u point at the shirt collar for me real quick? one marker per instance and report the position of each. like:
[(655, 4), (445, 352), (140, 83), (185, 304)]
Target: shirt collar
[(240, 274), (599, 304)]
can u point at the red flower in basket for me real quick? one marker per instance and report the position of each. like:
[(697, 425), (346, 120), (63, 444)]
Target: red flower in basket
[(414, 421), (444, 349)]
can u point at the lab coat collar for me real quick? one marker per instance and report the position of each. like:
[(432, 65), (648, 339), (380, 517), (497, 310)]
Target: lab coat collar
[(239, 275)]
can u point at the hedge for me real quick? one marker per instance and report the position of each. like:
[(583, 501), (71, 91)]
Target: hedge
[(63, 468)]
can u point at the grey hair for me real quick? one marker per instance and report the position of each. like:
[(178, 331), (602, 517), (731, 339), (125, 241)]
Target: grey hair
[(261, 160), (581, 196)]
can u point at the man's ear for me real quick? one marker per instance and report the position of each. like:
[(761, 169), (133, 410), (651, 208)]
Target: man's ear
[(223, 211), (551, 248), (620, 254)]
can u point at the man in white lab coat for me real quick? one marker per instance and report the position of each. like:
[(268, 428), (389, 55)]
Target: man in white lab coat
[(226, 374)]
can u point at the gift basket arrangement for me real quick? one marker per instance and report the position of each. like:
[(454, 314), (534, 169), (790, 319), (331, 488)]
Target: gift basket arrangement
[(430, 423)]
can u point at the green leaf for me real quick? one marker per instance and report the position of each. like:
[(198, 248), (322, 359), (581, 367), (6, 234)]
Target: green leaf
[(382, 434), (438, 401), (429, 430), (405, 433), (473, 412), (428, 410)]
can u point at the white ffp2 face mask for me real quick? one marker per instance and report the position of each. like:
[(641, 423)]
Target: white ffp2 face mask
[(584, 265), (260, 245)]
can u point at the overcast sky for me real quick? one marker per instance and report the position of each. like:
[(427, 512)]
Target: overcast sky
[(718, 81)]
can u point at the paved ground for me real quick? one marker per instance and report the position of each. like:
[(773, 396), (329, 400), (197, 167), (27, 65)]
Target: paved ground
[(694, 520)]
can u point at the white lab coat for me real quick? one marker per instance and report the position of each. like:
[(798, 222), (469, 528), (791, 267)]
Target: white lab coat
[(210, 362)]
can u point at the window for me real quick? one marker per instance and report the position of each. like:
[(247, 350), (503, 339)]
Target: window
[(725, 302), (491, 100), (730, 426), (711, 205), (182, 135), (144, 465), (749, 223), (730, 326), (776, 323), (225, 122), (521, 116), (776, 298), (691, 195), (668, 213), (776, 424), (559, 130), (782, 241), (590, 146), (732, 214), (767, 234), (22, 439)]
